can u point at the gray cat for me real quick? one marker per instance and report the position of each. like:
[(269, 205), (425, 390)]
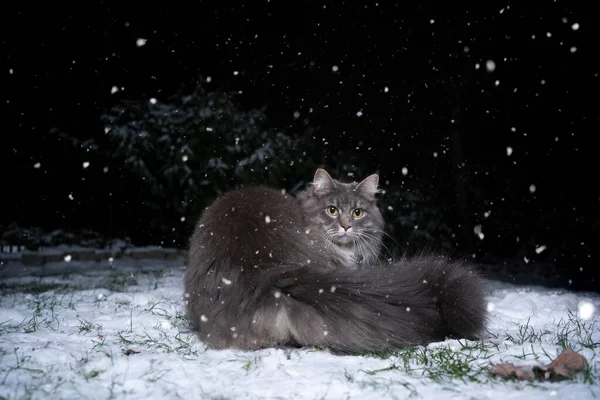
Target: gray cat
[(268, 269)]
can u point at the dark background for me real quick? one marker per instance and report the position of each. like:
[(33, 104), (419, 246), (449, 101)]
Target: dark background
[(363, 88)]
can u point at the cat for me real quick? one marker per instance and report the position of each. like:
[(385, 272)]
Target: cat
[(266, 269)]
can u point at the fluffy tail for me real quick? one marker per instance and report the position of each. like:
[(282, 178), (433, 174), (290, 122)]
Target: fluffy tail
[(408, 302)]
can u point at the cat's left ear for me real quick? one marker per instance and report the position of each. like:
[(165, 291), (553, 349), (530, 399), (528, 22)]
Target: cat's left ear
[(369, 186)]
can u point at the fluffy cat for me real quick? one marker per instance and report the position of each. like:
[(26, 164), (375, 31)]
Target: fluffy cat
[(268, 269)]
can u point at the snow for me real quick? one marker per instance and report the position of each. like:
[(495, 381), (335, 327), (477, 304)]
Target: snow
[(532, 188), (120, 332)]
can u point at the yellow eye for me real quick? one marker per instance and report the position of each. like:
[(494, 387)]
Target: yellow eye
[(358, 213), (333, 211)]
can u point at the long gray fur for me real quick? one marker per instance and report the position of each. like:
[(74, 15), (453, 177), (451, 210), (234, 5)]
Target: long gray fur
[(267, 269)]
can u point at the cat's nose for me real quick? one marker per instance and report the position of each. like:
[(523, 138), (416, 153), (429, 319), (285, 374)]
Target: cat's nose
[(346, 227)]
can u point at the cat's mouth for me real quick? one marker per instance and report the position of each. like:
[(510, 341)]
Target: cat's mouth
[(343, 238)]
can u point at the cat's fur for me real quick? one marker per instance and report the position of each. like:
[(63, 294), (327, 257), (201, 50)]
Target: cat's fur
[(267, 269)]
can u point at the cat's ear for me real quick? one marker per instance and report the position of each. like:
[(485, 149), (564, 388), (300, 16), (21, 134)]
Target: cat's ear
[(369, 186), (322, 181)]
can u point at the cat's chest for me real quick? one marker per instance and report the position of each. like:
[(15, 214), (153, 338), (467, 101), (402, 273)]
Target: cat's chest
[(349, 258)]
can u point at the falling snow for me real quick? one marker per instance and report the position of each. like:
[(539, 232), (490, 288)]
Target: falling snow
[(540, 249), (477, 229), (585, 310), (532, 188)]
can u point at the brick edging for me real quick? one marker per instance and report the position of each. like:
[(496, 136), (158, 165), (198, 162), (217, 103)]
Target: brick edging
[(97, 255)]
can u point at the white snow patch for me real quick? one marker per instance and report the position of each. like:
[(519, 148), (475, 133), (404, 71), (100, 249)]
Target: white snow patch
[(89, 340)]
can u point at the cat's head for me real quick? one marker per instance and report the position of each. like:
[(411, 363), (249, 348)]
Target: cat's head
[(347, 213)]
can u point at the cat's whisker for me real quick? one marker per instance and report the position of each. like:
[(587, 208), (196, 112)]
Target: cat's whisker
[(378, 241), (329, 234), (367, 245), (388, 235)]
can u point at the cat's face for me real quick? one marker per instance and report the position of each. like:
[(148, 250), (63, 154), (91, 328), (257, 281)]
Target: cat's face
[(348, 215)]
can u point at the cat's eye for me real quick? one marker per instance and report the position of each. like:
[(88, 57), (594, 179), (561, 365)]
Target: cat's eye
[(358, 213), (333, 211)]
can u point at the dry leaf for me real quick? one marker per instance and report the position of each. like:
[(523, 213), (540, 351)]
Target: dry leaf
[(507, 370), (562, 367)]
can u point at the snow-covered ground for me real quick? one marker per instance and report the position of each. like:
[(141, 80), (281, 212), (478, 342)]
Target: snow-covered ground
[(97, 333)]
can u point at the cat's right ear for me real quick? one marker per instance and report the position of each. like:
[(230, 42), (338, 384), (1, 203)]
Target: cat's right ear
[(322, 181)]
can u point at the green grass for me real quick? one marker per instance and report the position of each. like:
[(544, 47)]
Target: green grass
[(440, 364), (470, 363)]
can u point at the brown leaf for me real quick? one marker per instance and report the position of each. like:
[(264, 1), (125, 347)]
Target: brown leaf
[(508, 370), (562, 367)]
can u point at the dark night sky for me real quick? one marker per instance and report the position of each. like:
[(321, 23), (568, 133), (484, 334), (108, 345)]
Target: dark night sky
[(403, 67)]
